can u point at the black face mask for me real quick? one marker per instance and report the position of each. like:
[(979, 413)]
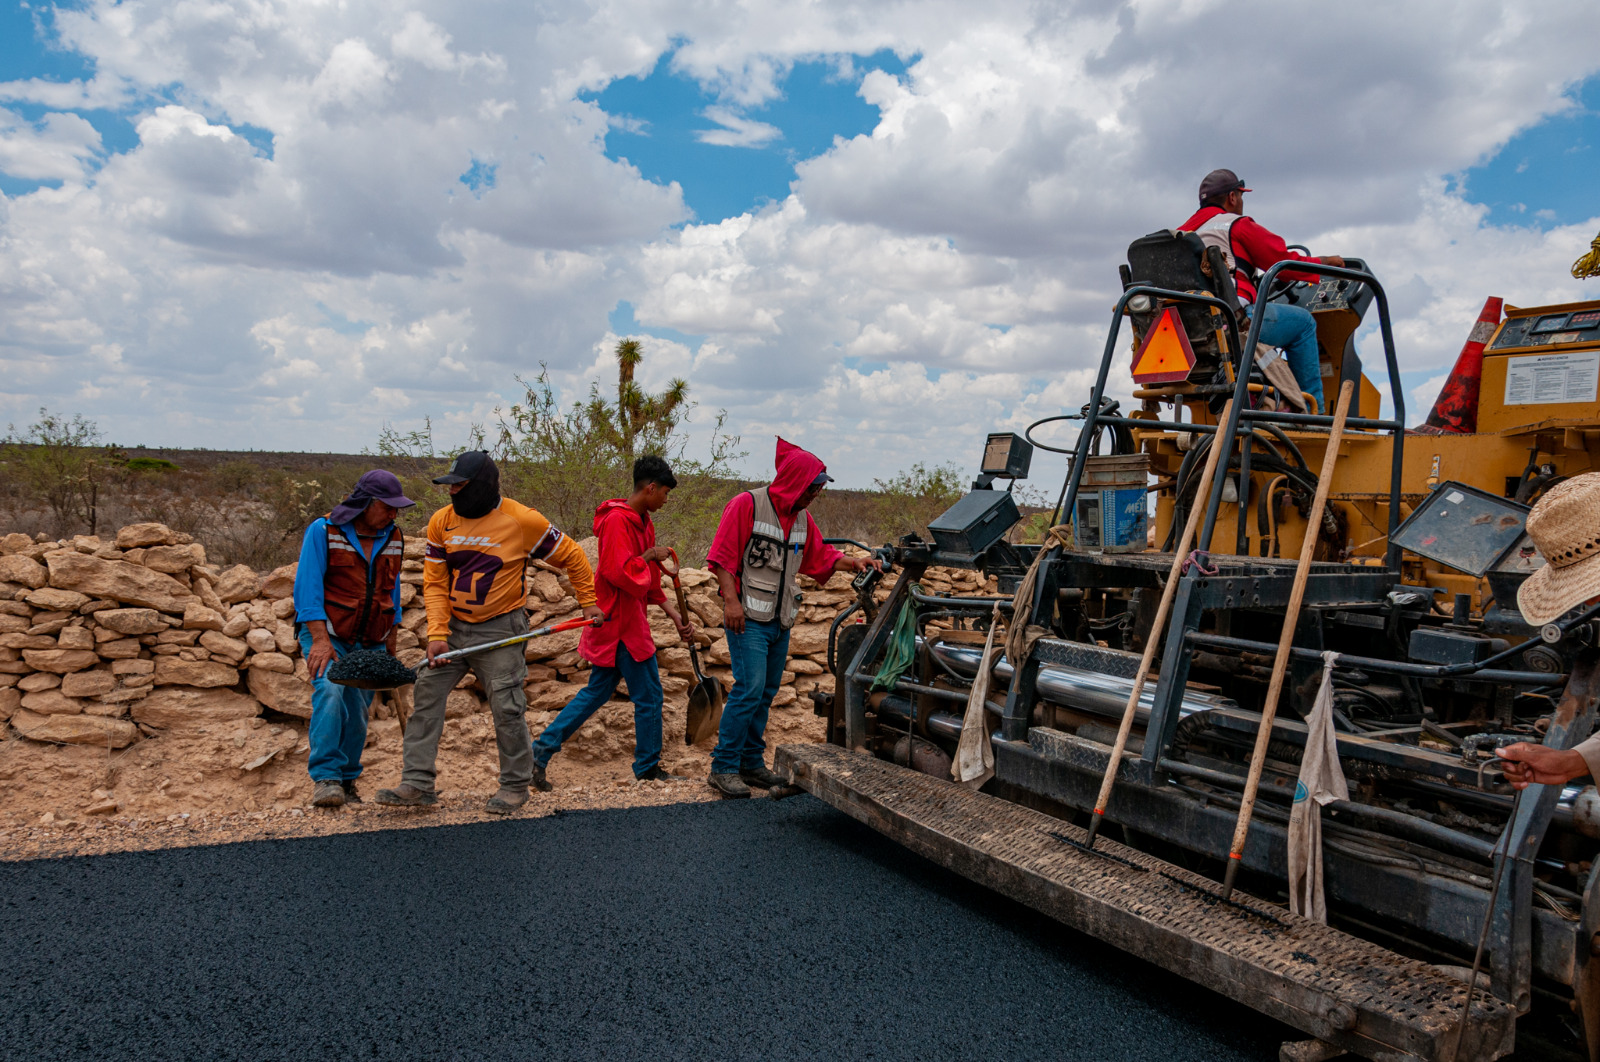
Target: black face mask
[(476, 499)]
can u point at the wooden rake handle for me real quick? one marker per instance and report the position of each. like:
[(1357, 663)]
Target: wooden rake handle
[(1190, 527), (1291, 619)]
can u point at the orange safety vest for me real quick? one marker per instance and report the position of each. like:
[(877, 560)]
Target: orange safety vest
[(359, 595)]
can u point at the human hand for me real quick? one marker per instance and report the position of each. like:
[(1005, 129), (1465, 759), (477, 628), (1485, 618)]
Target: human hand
[(434, 650), (656, 554), (733, 615), (1525, 764), (861, 564), (685, 628), (1332, 259), (593, 614), (320, 657)]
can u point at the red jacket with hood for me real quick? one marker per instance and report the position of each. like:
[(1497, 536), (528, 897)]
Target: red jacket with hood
[(1256, 244), (797, 470), (623, 585)]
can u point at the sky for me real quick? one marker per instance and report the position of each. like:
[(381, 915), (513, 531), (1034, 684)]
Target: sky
[(881, 230)]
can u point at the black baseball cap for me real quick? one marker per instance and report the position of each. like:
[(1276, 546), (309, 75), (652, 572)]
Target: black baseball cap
[(469, 465), (822, 480), (1220, 182)]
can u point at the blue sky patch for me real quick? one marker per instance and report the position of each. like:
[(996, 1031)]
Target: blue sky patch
[(623, 323), (479, 177), (727, 159), (1546, 174)]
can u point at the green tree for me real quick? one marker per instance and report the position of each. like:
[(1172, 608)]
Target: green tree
[(58, 462), (639, 414)]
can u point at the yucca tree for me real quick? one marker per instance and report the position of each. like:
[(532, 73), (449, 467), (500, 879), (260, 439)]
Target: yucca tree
[(638, 413)]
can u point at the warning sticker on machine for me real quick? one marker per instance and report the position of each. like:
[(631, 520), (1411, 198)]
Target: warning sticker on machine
[(1542, 379)]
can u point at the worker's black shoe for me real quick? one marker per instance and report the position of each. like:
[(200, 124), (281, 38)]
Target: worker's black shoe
[(350, 794), (540, 782), (730, 786), (506, 801), (659, 774), (760, 777), (405, 796), (328, 794)]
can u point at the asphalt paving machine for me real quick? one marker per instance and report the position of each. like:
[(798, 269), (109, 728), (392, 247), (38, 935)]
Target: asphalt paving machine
[(1434, 867)]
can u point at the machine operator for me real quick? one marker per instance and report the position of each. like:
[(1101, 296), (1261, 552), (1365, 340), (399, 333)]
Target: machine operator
[(1249, 247)]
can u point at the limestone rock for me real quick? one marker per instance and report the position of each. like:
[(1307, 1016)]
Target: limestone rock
[(136, 535), (196, 617), (133, 667), (547, 586), (17, 542), (463, 702), (10, 701), (75, 638), (75, 729), (554, 698), (14, 624), (807, 638), (48, 597), (283, 633), (283, 608), (50, 702), (130, 584), (278, 584), (39, 680), (174, 559), (207, 593), (261, 640), (172, 671), (15, 568), (176, 707), (131, 620), (280, 692), (121, 649), (88, 683), (273, 661), (220, 646), (236, 626), (61, 661), (238, 583)]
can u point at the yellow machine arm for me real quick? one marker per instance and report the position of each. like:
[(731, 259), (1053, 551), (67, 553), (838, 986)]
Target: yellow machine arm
[(1589, 264)]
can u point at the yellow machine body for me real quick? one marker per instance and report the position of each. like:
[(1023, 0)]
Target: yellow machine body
[(1537, 404)]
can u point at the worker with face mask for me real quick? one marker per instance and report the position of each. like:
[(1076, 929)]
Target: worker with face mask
[(765, 540), (474, 586)]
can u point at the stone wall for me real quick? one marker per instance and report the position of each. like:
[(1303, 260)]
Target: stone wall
[(107, 640)]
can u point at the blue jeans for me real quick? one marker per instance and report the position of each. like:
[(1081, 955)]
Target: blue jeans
[(338, 730), (644, 690), (1293, 330), (759, 656)]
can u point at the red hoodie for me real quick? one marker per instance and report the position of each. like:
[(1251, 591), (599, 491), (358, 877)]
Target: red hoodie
[(1256, 244), (623, 585), (797, 470)]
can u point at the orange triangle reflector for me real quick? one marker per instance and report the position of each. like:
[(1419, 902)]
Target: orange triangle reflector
[(1165, 355)]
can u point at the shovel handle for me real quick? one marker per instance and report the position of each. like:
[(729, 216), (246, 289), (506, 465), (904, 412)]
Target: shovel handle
[(683, 609), (517, 639)]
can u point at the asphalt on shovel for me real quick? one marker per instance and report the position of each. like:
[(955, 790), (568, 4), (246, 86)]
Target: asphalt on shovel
[(705, 696), (374, 669)]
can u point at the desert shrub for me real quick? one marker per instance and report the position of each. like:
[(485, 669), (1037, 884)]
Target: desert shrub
[(57, 469), (150, 465)]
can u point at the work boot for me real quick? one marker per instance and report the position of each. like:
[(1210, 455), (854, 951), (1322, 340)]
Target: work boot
[(659, 774), (350, 794), (405, 796), (540, 783), (506, 801), (328, 794), (731, 786), (760, 777)]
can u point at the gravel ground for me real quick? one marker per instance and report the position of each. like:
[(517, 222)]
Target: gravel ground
[(740, 930)]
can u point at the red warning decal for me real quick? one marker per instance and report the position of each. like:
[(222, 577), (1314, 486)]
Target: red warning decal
[(1165, 356)]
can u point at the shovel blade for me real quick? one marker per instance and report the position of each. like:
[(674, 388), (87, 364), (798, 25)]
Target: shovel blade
[(705, 712)]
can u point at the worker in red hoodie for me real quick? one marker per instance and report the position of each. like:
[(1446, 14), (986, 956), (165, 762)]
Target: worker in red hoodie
[(627, 579), (1249, 247), (765, 540)]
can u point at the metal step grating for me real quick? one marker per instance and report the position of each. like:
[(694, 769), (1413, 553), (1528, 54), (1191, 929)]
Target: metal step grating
[(1331, 985)]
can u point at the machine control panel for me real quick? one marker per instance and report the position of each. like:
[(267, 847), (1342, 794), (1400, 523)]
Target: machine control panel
[(1572, 326), (1329, 293)]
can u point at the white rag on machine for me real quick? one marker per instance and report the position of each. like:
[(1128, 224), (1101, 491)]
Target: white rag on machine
[(1321, 781), (974, 762)]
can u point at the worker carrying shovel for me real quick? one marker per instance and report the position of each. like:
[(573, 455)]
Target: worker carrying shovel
[(347, 597), (765, 540), (473, 583), (627, 580)]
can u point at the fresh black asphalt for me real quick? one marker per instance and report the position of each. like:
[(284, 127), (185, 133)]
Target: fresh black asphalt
[(759, 930)]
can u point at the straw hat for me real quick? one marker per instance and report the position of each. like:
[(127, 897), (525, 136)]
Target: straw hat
[(1565, 525)]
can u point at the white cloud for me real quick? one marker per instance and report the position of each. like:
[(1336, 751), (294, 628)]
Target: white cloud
[(948, 273), (737, 130)]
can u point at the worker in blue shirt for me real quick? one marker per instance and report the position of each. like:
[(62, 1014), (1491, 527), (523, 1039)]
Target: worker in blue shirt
[(347, 596)]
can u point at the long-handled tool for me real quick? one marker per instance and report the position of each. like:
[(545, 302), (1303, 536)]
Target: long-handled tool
[(705, 696), (1291, 619), (1179, 559), (374, 669)]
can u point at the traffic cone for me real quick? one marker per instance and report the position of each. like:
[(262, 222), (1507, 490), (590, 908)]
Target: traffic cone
[(1455, 411)]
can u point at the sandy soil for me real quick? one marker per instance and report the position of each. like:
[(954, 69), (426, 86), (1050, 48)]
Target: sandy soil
[(232, 783)]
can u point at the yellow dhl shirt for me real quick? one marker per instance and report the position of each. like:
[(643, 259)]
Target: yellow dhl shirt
[(474, 569)]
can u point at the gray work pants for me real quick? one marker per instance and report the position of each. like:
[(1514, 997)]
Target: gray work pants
[(501, 673)]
